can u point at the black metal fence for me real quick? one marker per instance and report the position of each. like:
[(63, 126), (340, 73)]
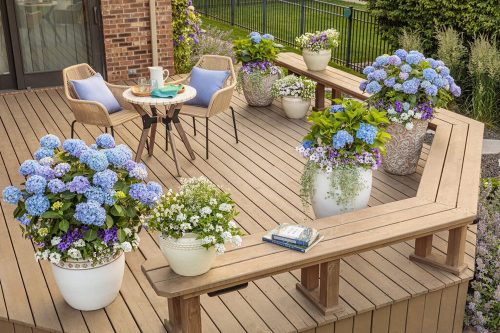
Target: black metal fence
[(360, 40)]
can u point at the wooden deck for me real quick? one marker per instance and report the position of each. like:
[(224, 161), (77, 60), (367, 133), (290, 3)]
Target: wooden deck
[(380, 288)]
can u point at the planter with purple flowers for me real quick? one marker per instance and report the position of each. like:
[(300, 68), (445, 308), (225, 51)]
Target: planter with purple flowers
[(317, 48), (408, 86), (81, 206), (258, 73)]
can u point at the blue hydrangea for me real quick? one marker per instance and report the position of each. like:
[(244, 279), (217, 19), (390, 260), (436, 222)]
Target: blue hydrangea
[(455, 90), (368, 69), (43, 152), (403, 76), (381, 60), (449, 79), (28, 167), (79, 184), (12, 195), (394, 60), (410, 87), (440, 82), (139, 192), (50, 141), (401, 54), (45, 171), (105, 141), (256, 39), (24, 220), (367, 133), (433, 63), (74, 147), (406, 68), (379, 75), (129, 165), (398, 87), (336, 108), (373, 87), (431, 90), (61, 169), (254, 33), (425, 84), (37, 204), (307, 144), (101, 196), (118, 155), (94, 146), (96, 160), (341, 139), (429, 74), (155, 187), (46, 161), (362, 85), (444, 71), (139, 172), (35, 184), (414, 58), (268, 36), (105, 179), (390, 82), (90, 213), (56, 186)]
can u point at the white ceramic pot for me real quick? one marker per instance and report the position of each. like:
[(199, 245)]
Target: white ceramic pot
[(324, 200), (86, 287), (186, 255), (295, 107), (316, 61)]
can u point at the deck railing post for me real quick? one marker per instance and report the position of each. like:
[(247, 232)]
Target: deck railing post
[(232, 11), (264, 16), (348, 15), (302, 16)]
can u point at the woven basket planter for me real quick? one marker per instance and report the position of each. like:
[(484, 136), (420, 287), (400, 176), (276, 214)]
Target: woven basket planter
[(258, 94)]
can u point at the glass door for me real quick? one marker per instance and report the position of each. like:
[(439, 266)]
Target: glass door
[(7, 74)]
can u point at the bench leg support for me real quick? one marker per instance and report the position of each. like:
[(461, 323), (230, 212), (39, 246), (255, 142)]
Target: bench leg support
[(319, 99), (184, 315), (453, 262), (325, 294)]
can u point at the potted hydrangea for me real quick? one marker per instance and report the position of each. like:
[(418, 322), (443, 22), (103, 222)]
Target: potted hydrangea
[(81, 207), (343, 146), (296, 93), (258, 72), (194, 224), (317, 48), (409, 87)]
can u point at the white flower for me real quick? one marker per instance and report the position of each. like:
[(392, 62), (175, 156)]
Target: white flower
[(79, 243), (194, 220), (225, 207), (418, 115), (220, 248), (409, 126), (42, 255), (219, 229), (212, 201), (180, 217), (208, 240), (226, 236), (127, 231), (219, 216), (205, 211), (391, 111), (236, 240), (74, 253), (185, 226), (126, 246), (232, 224), (54, 257), (55, 240)]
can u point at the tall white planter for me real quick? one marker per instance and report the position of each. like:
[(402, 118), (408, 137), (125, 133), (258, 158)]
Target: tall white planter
[(186, 255), (295, 107), (88, 288), (324, 199), (317, 61)]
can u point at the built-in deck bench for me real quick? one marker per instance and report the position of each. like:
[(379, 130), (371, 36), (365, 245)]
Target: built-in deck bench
[(446, 200)]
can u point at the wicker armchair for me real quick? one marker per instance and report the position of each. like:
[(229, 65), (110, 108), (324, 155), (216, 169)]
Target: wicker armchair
[(94, 113), (221, 100)]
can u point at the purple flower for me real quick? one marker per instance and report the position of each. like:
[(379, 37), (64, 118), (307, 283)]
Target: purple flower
[(61, 169), (394, 60), (455, 90), (362, 85), (79, 184), (109, 236), (403, 76), (45, 171)]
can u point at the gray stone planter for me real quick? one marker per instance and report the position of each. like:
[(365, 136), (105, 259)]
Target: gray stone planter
[(258, 94)]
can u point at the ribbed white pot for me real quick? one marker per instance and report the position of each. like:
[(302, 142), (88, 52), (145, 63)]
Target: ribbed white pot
[(324, 202), (86, 287), (295, 107), (316, 61), (186, 255)]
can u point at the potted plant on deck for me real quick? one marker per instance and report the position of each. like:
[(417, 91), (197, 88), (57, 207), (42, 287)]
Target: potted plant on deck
[(258, 72), (296, 93), (81, 206), (194, 225), (317, 48), (343, 146), (409, 87)]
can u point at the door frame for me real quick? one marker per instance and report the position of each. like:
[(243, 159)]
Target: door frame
[(8, 81)]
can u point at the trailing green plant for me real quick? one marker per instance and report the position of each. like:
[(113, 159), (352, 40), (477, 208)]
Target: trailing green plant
[(410, 40), (484, 70), (186, 30), (294, 86), (343, 138)]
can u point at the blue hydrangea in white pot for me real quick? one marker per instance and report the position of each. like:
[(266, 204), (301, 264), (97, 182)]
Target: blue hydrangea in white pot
[(81, 207)]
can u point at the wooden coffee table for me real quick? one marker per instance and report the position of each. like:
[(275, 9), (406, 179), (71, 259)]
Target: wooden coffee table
[(150, 120)]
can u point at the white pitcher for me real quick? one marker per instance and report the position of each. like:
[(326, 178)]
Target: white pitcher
[(156, 73)]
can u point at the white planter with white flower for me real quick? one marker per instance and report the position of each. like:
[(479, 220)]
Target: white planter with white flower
[(194, 224), (317, 48), (296, 93), (89, 287)]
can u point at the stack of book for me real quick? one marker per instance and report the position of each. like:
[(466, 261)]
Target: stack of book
[(295, 237)]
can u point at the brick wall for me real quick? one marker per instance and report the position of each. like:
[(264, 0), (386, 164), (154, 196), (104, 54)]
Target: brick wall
[(127, 37)]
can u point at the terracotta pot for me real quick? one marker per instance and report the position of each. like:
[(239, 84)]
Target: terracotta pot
[(295, 107), (259, 94), (317, 61), (86, 287), (404, 147)]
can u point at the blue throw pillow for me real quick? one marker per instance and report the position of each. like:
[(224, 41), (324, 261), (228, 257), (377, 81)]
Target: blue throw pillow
[(94, 89), (206, 82)]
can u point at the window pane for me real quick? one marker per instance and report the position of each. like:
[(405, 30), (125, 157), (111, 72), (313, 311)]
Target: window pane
[(4, 63)]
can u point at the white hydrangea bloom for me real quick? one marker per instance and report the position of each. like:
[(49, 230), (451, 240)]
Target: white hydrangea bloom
[(55, 257), (126, 247), (74, 253), (79, 243), (55, 240)]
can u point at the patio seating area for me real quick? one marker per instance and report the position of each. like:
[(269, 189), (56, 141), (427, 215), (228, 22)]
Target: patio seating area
[(380, 289)]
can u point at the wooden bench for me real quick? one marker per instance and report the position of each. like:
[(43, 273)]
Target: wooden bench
[(446, 200), (339, 81)]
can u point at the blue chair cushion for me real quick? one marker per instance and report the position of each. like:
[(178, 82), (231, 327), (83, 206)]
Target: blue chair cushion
[(206, 82), (94, 89)]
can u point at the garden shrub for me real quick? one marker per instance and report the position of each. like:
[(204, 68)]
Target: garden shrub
[(186, 30), (410, 41), (213, 41), (483, 301)]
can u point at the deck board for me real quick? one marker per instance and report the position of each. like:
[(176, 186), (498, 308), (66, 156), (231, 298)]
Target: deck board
[(262, 173)]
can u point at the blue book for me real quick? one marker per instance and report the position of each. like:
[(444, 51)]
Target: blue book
[(268, 238), (295, 234)]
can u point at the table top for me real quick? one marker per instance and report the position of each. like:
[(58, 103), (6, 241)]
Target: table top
[(188, 94)]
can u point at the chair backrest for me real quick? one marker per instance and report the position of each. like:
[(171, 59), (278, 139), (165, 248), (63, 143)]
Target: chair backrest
[(75, 72)]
